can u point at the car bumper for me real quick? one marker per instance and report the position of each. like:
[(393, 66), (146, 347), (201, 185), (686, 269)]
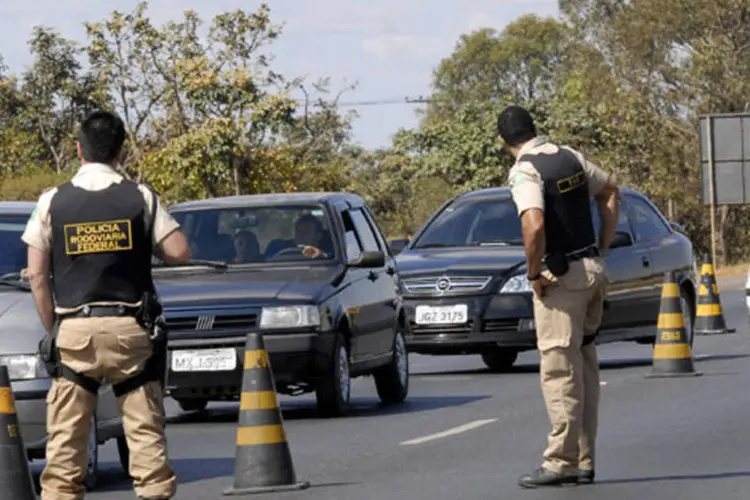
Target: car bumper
[(295, 358), (493, 320), (31, 410)]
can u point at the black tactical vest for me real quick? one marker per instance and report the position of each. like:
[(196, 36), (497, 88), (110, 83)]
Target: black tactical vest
[(567, 214), (101, 244)]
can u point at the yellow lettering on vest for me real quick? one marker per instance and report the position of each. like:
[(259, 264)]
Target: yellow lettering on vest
[(572, 182), (97, 237)]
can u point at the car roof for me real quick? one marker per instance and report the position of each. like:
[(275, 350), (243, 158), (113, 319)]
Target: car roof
[(17, 207), (503, 192), (266, 199)]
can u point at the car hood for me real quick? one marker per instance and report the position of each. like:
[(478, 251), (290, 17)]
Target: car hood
[(495, 261), (258, 286), (20, 326)]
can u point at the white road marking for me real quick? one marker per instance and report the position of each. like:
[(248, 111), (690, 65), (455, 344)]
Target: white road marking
[(450, 432)]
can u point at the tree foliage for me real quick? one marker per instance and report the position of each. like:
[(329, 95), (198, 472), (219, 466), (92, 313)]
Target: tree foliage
[(207, 115)]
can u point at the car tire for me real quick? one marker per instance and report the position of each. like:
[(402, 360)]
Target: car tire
[(392, 380), (123, 453), (499, 359), (192, 404), (92, 468), (688, 311), (333, 390)]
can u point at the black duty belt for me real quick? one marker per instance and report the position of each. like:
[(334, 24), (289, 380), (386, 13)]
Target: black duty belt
[(101, 312), (591, 251)]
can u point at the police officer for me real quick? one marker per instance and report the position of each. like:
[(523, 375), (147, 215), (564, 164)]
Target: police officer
[(552, 188), (94, 236)]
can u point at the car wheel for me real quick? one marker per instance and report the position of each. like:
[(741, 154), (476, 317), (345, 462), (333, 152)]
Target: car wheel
[(688, 314), (499, 359), (392, 380), (92, 464), (123, 453), (192, 404), (333, 391)]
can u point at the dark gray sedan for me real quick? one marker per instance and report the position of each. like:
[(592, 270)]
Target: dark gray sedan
[(464, 278)]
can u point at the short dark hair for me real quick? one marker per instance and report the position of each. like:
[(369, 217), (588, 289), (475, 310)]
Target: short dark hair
[(102, 135), (515, 125), (309, 219)]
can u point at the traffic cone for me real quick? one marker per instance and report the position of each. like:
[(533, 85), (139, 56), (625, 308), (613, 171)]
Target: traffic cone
[(672, 354), (15, 477), (709, 318), (263, 463)]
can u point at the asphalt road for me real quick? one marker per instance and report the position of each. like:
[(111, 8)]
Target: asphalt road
[(659, 438)]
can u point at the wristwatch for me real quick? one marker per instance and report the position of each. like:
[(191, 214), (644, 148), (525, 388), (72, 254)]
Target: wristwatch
[(535, 277)]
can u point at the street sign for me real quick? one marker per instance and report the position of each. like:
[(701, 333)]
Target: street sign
[(727, 156)]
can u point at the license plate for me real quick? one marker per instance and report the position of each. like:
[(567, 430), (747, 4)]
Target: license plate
[(442, 315), (204, 360)]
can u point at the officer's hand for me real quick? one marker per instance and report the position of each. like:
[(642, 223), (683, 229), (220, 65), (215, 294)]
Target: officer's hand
[(540, 285)]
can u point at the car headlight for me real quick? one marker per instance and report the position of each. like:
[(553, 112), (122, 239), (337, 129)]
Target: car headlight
[(24, 366), (517, 284), (289, 317)]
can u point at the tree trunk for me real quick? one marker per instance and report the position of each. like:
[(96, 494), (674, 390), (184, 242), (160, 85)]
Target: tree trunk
[(721, 248)]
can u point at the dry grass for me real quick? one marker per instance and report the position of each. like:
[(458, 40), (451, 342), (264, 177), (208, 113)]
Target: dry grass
[(733, 270)]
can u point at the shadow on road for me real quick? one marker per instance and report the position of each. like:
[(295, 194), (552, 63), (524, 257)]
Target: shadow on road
[(687, 477), (609, 364), (360, 408)]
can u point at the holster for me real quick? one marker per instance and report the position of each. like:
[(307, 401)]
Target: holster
[(558, 264), (50, 356)]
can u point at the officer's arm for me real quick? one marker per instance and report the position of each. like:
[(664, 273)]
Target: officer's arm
[(526, 189), (170, 245), (41, 286), (38, 238)]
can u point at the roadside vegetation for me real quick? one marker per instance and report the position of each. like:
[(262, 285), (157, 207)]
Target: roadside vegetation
[(209, 116)]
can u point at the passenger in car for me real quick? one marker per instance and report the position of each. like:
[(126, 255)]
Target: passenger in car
[(247, 247)]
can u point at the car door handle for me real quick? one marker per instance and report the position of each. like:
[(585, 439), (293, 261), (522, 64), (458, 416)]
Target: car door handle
[(645, 261)]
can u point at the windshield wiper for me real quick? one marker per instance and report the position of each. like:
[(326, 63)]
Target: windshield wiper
[(503, 243), (216, 264), (433, 245), (14, 280)]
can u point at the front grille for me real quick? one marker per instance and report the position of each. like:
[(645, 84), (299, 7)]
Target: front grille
[(501, 325), (209, 322), (445, 285), (464, 329)]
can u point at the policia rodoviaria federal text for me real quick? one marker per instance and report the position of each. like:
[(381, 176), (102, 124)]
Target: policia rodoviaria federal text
[(90, 242), (552, 187)]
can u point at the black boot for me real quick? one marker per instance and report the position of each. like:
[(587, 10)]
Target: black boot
[(544, 477), (585, 476)]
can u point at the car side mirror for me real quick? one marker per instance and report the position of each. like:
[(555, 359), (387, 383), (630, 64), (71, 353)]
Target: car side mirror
[(369, 259), (676, 226), (621, 240), (398, 245)]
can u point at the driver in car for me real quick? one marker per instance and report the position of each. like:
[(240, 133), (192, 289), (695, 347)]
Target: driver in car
[(308, 234)]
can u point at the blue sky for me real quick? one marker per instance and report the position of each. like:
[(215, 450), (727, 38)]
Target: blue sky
[(389, 47)]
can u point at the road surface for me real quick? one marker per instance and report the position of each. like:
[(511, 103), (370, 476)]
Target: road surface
[(466, 433)]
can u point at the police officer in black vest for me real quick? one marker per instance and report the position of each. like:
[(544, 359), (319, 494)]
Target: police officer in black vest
[(90, 243), (552, 187)]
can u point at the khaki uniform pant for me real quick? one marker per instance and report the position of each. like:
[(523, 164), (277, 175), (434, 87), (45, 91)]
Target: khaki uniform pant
[(571, 308), (113, 349)]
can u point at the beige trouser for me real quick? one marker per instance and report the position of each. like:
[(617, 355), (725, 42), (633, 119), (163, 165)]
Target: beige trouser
[(113, 349), (571, 308)]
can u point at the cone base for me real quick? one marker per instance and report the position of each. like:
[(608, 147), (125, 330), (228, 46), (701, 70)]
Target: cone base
[(722, 331), (232, 491), (673, 375)]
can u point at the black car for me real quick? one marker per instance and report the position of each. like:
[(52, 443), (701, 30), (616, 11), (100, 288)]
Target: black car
[(464, 278), (311, 272)]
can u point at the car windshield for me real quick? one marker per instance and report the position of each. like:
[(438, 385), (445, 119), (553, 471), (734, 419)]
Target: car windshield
[(12, 248), (247, 235), (474, 223)]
